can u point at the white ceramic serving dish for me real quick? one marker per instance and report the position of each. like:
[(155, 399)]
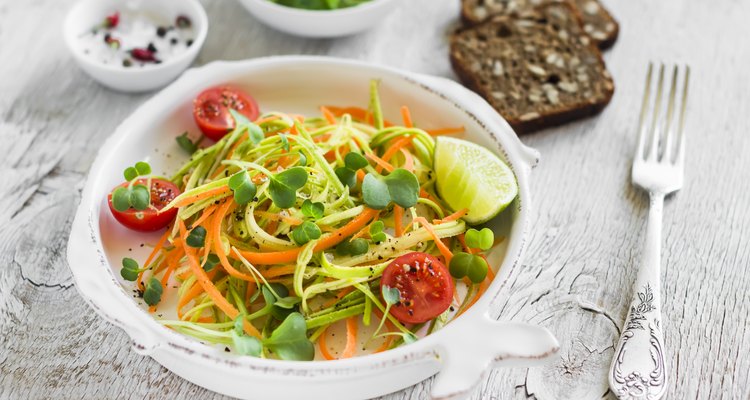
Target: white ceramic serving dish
[(317, 23), (88, 13), (460, 353)]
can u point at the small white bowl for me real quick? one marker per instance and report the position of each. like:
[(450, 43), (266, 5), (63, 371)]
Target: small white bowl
[(320, 23), (88, 13)]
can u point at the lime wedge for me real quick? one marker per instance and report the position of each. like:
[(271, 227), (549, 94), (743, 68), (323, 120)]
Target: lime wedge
[(472, 177)]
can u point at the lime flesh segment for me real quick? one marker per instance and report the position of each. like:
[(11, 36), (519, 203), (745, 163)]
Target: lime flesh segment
[(472, 177)]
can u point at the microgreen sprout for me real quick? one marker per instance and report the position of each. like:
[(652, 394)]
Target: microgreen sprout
[(284, 141), (306, 232), (312, 209), (302, 159), (243, 187), (285, 305), (352, 247), (130, 269), (289, 341), (400, 186), (348, 173), (153, 292), (284, 185), (391, 296), (197, 237), (376, 232), (244, 344), (210, 262), (254, 133), (135, 195), (483, 239), (186, 144), (468, 265)]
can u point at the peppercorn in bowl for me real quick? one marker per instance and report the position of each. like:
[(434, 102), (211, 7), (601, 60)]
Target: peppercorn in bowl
[(135, 47)]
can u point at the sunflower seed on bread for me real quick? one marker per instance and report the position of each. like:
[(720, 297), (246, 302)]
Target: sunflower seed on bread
[(598, 23), (537, 71)]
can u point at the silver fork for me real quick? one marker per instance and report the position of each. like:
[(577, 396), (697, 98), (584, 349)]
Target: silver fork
[(638, 367)]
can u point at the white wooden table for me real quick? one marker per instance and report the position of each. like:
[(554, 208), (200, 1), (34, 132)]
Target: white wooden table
[(586, 237)]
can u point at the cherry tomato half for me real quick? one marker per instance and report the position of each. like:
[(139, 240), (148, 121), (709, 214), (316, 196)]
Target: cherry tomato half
[(425, 285), (211, 110), (162, 192)]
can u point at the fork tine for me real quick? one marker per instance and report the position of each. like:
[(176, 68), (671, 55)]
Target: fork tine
[(642, 119), (655, 132), (668, 128), (681, 135)]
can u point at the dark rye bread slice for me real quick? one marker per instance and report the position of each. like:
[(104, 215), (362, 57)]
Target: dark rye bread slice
[(598, 23), (535, 71)]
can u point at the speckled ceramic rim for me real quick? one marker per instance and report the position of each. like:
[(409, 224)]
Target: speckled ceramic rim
[(104, 293)]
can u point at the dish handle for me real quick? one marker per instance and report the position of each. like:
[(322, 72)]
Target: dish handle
[(468, 354)]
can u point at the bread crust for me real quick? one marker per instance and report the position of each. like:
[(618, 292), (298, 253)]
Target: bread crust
[(470, 18)]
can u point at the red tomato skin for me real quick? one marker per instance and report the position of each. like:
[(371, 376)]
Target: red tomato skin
[(425, 285), (162, 192), (211, 110)]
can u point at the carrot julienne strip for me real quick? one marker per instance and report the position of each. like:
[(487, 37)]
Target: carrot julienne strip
[(208, 193), (351, 338), (456, 215), (172, 262), (396, 146), (328, 115), (446, 131), (324, 347), (444, 250), (398, 220), (204, 280), (204, 216), (382, 164), (406, 116), (151, 256), (408, 160), (219, 248), (326, 242)]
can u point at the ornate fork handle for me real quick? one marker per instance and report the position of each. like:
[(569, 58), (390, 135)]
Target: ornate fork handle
[(638, 370)]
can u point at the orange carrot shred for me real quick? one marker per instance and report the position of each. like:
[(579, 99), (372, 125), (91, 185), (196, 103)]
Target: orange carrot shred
[(323, 346), (382, 164), (172, 262), (351, 338), (219, 248), (396, 146), (204, 216), (328, 115), (406, 116), (326, 242), (151, 256), (398, 220), (456, 215), (444, 250), (446, 131), (208, 193)]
